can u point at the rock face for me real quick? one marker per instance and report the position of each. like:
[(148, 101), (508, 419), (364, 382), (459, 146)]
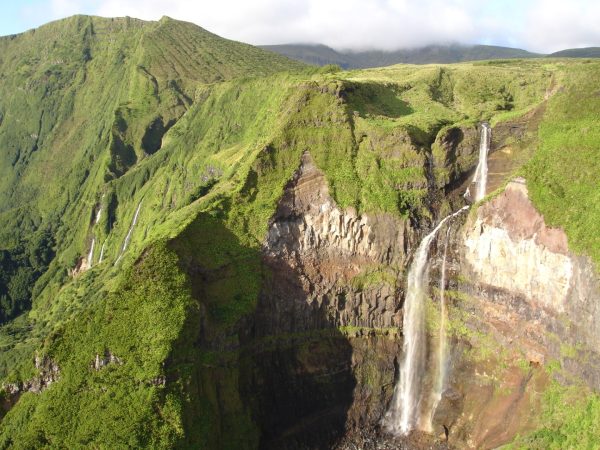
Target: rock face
[(48, 373), (510, 248), (316, 251), (102, 361), (520, 299), (333, 300)]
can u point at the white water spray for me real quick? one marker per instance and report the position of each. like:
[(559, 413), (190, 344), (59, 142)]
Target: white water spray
[(404, 413), (91, 253), (442, 356), (128, 237), (481, 172)]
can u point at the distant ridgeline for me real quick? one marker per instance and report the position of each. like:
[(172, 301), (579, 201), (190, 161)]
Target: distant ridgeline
[(204, 244), (321, 55)]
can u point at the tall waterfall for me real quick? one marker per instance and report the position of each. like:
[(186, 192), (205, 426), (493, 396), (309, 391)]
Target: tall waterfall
[(405, 412), (481, 172), (410, 409), (128, 237), (90, 258), (442, 354)]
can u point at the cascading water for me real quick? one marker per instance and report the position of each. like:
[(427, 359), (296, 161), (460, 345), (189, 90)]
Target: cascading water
[(442, 356), (91, 254), (481, 172), (128, 237), (407, 410), (98, 215), (102, 252), (404, 413)]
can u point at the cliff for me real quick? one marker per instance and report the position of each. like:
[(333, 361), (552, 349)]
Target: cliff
[(256, 229)]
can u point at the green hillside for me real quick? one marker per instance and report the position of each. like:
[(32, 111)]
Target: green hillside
[(169, 148), (82, 101)]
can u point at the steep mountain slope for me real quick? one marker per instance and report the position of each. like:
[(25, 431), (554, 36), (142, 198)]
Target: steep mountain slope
[(83, 100), (231, 251), (321, 55)]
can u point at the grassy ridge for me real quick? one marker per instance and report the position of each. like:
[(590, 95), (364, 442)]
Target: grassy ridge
[(228, 146), (82, 101), (563, 175)]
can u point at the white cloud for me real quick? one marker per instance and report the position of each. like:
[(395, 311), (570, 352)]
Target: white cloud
[(557, 24), (538, 25)]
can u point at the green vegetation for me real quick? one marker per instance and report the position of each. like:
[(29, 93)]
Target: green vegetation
[(563, 174), (138, 324), (100, 117), (570, 418), (20, 267)]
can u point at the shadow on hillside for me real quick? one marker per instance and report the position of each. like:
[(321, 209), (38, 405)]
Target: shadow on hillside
[(272, 375), (375, 99), (298, 367)]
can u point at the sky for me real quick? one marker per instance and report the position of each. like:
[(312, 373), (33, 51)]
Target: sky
[(537, 25)]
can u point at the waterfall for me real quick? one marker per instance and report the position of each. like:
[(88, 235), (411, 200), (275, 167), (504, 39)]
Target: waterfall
[(98, 215), (481, 172), (409, 409), (404, 413), (91, 254), (102, 252), (128, 237), (442, 356)]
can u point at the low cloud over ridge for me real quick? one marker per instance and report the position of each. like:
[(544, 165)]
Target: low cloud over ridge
[(536, 25)]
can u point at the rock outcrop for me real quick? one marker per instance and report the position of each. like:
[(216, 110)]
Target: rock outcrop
[(509, 248), (48, 373), (520, 299), (333, 302), (317, 250)]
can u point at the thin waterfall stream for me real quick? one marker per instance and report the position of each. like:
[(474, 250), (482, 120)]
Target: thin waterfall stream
[(102, 252), (481, 172), (91, 254), (410, 408), (442, 356), (129, 232)]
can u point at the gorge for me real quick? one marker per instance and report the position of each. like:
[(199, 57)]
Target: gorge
[(293, 257)]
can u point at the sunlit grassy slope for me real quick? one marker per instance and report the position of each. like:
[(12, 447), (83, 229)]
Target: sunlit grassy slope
[(202, 134)]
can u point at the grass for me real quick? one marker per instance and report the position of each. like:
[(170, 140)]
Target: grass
[(205, 135), (563, 173), (570, 418)]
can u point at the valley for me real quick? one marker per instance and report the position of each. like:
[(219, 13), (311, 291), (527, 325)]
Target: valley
[(208, 245)]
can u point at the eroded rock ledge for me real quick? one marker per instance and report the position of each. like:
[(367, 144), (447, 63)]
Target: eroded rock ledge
[(509, 247), (316, 251)]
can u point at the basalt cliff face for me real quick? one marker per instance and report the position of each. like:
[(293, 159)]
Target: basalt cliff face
[(222, 252), (331, 303), (525, 300), (518, 299)]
